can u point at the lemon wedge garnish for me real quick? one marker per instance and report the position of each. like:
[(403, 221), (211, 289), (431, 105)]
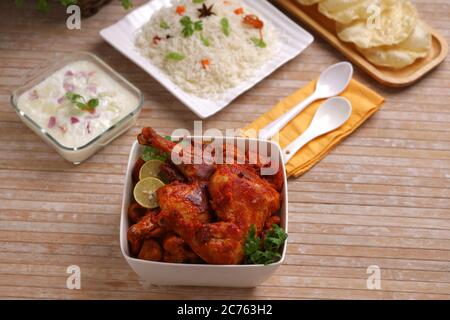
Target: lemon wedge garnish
[(150, 169), (145, 192)]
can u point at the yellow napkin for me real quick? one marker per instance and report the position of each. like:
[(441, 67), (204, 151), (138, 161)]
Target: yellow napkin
[(365, 102)]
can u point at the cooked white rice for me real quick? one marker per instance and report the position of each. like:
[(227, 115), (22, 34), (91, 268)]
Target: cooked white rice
[(232, 59)]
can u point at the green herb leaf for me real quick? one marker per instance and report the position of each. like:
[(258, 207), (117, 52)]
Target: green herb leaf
[(151, 153), (67, 3), (267, 251), (198, 25), (81, 106), (164, 25), (176, 56), (274, 238), (205, 41), (198, 1), (127, 4), (80, 102), (74, 97), (225, 26), (189, 27), (259, 42), (42, 5), (252, 243), (93, 103), (19, 3)]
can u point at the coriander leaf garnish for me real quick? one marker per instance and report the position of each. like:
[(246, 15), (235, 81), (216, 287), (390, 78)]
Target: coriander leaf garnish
[(225, 26), (275, 238), (164, 25), (93, 103), (189, 27), (19, 3), (253, 242), (198, 1), (176, 56), (198, 26), (81, 103), (205, 41), (264, 251), (151, 153), (188, 30), (67, 3), (259, 42), (127, 4)]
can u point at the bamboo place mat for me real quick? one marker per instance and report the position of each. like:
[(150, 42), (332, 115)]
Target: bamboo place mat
[(380, 198)]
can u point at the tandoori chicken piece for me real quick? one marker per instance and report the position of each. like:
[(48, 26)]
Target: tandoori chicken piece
[(205, 165), (271, 221), (176, 250), (258, 162), (252, 160), (190, 199), (137, 167), (151, 250), (136, 212), (184, 209), (145, 229), (168, 173), (192, 171), (242, 197)]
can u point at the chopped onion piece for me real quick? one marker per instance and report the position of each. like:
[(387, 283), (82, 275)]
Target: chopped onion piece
[(51, 122), (74, 120)]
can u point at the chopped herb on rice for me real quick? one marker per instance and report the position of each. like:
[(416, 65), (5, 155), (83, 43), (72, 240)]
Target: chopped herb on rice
[(209, 31)]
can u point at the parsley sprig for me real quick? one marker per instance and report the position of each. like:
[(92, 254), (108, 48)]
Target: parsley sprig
[(81, 103), (267, 251)]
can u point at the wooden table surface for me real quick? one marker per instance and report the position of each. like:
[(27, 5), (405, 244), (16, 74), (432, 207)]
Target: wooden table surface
[(381, 198)]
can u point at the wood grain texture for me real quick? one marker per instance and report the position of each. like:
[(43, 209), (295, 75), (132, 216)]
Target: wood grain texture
[(380, 198)]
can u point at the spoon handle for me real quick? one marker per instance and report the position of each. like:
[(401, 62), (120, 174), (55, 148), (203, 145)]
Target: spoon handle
[(275, 126), (297, 144)]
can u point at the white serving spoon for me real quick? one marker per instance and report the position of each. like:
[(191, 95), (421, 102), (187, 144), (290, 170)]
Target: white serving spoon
[(332, 114), (332, 82)]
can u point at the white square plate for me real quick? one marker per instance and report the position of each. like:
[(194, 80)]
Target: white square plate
[(293, 40)]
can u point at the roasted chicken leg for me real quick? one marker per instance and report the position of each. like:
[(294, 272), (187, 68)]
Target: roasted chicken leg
[(196, 170), (241, 197), (184, 209)]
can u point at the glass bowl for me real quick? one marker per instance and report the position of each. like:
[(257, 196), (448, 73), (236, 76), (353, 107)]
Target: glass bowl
[(78, 154)]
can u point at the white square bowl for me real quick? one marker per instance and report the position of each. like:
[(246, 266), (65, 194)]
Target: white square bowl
[(177, 274), (122, 35)]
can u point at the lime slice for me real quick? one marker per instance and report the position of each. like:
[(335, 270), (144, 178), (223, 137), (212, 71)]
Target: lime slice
[(145, 192), (150, 169)]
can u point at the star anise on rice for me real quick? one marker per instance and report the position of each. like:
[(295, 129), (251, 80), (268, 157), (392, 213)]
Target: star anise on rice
[(206, 11)]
